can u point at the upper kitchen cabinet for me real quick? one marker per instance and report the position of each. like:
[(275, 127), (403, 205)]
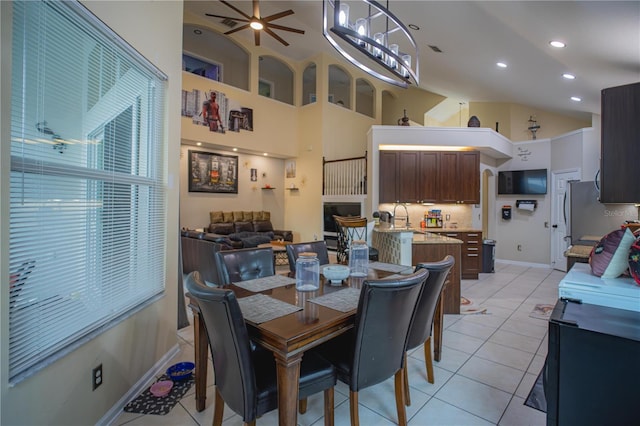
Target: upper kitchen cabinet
[(429, 177), (620, 144)]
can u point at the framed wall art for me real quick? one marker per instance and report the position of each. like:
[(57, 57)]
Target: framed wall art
[(210, 172)]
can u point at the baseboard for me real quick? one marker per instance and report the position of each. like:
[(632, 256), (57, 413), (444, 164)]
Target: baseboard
[(529, 264), (146, 380)]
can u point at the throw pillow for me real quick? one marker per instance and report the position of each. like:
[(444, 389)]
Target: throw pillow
[(222, 228), (610, 257), (634, 260), (215, 217), (266, 215), (227, 217), (262, 226), (257, 215), (247, 216), (238, 216)]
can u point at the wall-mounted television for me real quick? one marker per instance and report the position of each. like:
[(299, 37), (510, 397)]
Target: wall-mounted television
[(522, 182)]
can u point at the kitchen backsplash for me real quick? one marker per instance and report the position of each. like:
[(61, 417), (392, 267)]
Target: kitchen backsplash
[(459, 214)]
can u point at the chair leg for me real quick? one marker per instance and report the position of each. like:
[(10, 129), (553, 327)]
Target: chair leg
[(253, 423), (302, 406), (399, 387), (353, 408), (218, 409), (428, 360), (328, 407), (407, 393)]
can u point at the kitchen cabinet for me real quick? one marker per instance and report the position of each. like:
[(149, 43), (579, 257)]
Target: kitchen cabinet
[(434, 253), (470, 252), (620, 149), (429, 177)]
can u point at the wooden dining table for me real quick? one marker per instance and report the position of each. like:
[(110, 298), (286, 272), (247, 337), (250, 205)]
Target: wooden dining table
[(289, 336)]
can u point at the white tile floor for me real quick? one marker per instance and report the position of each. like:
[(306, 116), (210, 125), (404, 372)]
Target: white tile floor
[(489, 364)]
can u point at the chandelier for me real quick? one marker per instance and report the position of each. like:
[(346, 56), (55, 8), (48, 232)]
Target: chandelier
[(375, 41)]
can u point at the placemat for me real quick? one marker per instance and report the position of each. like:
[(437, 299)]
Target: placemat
[(265, 283), (342, 300), (389, 267), (147, 403), (260, 308)]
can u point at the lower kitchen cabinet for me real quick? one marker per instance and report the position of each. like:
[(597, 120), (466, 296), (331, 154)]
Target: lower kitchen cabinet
[(471, 251)]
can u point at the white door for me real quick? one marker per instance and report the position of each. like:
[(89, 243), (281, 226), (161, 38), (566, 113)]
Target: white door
[(559, 216)]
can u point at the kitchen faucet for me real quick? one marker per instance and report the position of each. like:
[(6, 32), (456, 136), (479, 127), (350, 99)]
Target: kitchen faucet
[(405, 210)]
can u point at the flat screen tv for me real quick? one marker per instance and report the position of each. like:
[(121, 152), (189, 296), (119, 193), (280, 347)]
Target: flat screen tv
[(522, 182), (339, 209)]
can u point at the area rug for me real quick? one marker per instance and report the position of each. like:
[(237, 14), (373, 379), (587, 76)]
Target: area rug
[(147, 403), (536, 398), (469, 307), (541, 311)]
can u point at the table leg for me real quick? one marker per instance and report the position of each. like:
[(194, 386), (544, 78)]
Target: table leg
[(201, 351), (288, 378), (438, 319)]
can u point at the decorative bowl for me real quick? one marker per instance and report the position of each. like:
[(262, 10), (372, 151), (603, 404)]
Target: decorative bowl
[(161, 388), (180, 371), (335, 273)]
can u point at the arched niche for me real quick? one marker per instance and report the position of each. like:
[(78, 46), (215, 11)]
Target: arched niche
[(364, 97), (339, 86), (309, 94), (213, 55), (275, 80)]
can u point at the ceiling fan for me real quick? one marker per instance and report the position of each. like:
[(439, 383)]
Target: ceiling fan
[(258, 23)]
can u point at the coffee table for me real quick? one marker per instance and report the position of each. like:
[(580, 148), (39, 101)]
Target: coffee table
[(279, 252)]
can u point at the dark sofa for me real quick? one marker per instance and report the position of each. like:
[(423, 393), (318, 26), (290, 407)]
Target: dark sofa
[(249, 228), (199, 254)]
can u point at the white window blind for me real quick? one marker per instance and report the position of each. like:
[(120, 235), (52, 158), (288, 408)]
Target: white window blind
[(87, 187)]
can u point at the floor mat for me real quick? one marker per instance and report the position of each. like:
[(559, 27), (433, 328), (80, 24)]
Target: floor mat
[(147, 403), (536, 398), (468, 307)]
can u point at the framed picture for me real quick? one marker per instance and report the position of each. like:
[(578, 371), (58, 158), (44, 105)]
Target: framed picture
[(254, 175), (290, 169), (209, 172)]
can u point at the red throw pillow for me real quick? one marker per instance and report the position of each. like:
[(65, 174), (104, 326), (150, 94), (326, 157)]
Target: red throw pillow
[(610, 257)]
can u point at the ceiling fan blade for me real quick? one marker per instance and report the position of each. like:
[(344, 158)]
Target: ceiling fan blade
[(227, 17), (236, 9), (276, 36), (280, 27), (256, 9), (278, 15), (235, 30)]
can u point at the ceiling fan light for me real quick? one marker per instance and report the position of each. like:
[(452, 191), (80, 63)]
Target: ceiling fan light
[(256, 25)]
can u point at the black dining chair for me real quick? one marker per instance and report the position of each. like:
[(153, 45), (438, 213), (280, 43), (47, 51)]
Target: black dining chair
[(245, 264), (318, 247), (245, 375), (374, 349), (420, 332)]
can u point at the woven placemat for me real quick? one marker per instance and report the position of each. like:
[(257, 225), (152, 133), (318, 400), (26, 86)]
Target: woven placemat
[(147, 403), (260, 308), (342, 300), (265, 283), (390, 267)]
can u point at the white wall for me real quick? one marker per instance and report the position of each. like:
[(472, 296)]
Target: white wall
[(61, 392)]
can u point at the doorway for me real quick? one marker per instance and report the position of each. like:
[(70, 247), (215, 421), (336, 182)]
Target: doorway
[(488, 199), (559, 211)]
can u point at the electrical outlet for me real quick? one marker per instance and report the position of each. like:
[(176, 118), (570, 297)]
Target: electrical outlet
[(96, 377), (519, 247)]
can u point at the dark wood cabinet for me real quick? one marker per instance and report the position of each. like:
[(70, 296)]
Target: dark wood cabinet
[(470, 251), (435, 253), (620, 147), (429, 177)]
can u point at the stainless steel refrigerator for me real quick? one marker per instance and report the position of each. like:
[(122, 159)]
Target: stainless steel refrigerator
[(586, 216)]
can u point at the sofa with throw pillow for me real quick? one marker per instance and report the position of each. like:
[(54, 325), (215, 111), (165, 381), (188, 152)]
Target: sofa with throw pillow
[(250, 228)]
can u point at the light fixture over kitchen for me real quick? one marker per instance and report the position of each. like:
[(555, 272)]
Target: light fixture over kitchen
[(373, 39)]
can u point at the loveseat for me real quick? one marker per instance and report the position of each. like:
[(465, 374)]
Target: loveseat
[(199, 254), (246, 228)]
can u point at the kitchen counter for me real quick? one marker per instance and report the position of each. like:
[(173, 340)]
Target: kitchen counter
[(431, 238)]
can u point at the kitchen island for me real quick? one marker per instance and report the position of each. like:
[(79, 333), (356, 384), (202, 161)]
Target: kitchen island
[(410, 246)]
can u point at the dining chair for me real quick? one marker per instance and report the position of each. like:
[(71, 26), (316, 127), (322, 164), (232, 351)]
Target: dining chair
[(420, 332), (350, 229), (245, 264), (318, 247), (245, 375), (374, 349)]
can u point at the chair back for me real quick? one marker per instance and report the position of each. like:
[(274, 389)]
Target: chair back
[(229, 344), (349, 229), (245, 264), (385, 312), (421, 328), (318, 247)]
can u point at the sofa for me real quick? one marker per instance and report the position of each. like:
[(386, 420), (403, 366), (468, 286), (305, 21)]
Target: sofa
[(246, 229), (199, 254)]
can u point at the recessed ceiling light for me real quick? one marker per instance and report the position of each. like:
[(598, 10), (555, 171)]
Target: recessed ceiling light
[(569, 76), (199, 144), (557, 43), (501, 64), (265, 154), (576, 99), (235, 149), (198, 32)]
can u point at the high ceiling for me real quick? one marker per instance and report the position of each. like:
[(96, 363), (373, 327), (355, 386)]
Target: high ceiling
[(602, 46)]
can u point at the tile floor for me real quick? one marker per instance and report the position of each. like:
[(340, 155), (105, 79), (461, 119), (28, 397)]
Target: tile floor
[(489, 363)]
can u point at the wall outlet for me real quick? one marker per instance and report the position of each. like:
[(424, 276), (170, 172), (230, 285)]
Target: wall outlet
[(96, 377), (519, 247)]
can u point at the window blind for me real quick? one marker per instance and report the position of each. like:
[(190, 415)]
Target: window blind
[(87, 181)]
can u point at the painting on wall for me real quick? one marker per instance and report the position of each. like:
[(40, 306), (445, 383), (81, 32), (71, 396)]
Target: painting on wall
[(210, 172), (290, 169), (254, 175)]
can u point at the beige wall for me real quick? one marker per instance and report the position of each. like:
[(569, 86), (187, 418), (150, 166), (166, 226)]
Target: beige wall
[(61, 392)]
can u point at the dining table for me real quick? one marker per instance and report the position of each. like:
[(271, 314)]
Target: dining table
[(289, 322)]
